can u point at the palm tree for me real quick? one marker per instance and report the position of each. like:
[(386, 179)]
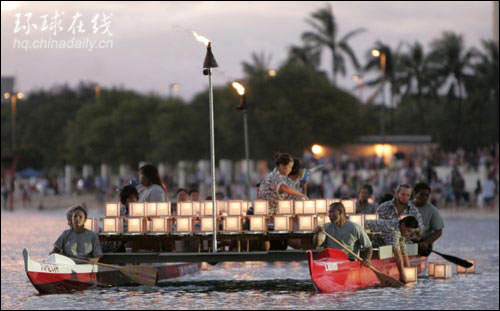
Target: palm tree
[(325, 35), (259, 66), (451, 62), (306, 55)]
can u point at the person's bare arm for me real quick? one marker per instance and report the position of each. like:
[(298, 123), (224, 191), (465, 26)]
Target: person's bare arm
[(400, 261), (292, 191)]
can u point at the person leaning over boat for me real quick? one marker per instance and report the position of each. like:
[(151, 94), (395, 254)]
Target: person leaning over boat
[(362, 204), (275, 185), (396, 233), (79, 242), (432, 221), (153, 190), (399, 206), (345, 231)]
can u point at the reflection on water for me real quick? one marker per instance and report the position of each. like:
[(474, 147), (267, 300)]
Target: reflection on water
[(255, 285)]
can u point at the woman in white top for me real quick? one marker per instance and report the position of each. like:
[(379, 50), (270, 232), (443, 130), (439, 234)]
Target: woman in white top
[(153, 190)]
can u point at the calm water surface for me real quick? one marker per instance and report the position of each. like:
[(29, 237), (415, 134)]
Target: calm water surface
[(254, 285)]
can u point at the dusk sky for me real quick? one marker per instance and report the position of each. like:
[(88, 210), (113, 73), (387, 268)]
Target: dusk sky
[(152, 46)]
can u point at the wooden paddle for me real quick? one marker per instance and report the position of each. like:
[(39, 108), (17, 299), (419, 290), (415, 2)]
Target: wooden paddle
[(142, 275), (455, 260), (383, 278)]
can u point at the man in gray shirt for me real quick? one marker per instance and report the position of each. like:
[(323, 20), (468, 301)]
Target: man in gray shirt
[(345, 231), (432, 221)]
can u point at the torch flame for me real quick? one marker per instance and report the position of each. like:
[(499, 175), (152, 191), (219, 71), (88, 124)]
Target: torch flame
[(201, 38), (239, 88)]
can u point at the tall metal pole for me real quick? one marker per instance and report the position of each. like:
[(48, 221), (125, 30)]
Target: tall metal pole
[(13, 107), (212, 160), (247, 153)]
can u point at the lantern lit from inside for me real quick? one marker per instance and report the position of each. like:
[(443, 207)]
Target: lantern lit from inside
[(244, 207), (137, 210), (357, 219), (207, 224), (285, 207), (321, 207), (310, 207), (91, 224), (461, 269), (350, 206), (370, 216), (136, 225), (298, 207), (258, 223), (282, 223), (234, 208), (442, 271), (112, 210), (431, 268), (321, 220), (112, 225), (184, 224), (185, 208), (305, 223), (232, 224), (196, 208), (151, 209), (161, 225), (163, 209), (411, 274), (260, 208)]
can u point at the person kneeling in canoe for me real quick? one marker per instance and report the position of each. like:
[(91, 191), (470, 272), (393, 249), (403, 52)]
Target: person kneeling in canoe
[(79, 242), (397, 234), (345, 231)]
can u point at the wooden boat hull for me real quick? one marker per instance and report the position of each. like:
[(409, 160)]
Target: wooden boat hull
[(60, 274), (333, 272)]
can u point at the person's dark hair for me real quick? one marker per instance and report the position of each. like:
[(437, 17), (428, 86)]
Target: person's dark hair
[(151, 174), (339, 206), (368, 188), (282, 158), (385, 198), (421, 186), (410, 222), (127, 191), (69, 213), (180, 190), (407, 186), (79, 208), (192, 191), (296, 167)]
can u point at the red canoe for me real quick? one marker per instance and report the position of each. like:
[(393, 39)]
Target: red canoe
[(60, 274), (333, 272)]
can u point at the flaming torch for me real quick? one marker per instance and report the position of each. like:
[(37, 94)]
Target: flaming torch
[(243, 106), (208, 64)]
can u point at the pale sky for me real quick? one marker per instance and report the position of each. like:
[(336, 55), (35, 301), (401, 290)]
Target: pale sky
[(153, 47)]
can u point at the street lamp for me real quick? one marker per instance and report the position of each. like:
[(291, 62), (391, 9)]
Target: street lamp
[(243, 107)]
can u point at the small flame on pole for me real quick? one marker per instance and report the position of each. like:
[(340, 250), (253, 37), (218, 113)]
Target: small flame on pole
[(239, 88), (200, 38)]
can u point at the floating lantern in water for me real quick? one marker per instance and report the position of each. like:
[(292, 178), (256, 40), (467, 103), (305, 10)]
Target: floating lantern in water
[(442, 271), (411, 274), (431, 268), (461, 269)]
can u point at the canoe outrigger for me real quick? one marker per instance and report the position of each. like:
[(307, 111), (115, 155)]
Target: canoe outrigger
[(60, 274), (332, 271)]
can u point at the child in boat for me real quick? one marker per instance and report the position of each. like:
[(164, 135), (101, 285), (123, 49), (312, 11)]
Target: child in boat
[(79, 242)]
